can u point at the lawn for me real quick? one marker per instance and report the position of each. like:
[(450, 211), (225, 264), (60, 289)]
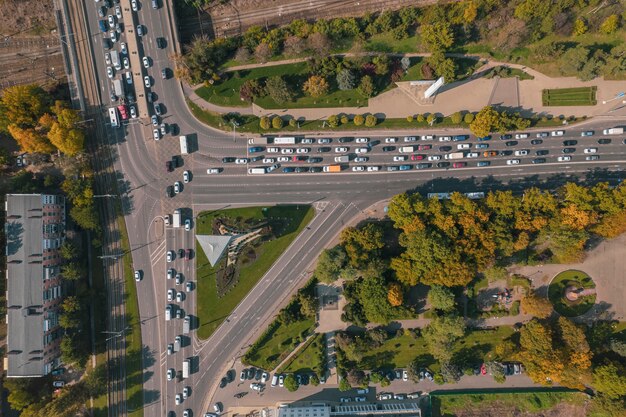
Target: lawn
[(306, 358), (580, 96), (448, 405), (398, 352), (212, 310), (558, 286), (384, 42)]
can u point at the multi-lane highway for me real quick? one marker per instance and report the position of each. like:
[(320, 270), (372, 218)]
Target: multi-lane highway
[(140, 163)]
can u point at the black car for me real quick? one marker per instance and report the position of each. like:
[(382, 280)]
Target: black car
[(258, 374), (345, 140), (542, 152), (305, 379), (511, 143), (538, 160), (505, 137), (389, 148), (505, 153), (228, 159), (314, 160), (324, 149), (570, 142), (230, 375), (604, 141), (160, 43), (181, 253), (568, 150), (169, 191), (250, 373), (423, 165), (445, 148), (302, 169), (316, 169), (223, 382), (536, 142), (443, 164)]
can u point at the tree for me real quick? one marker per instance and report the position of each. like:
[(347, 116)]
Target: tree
[(294, 46), (580, 27), (346, 79), (451, 372), (486, 121), (362, 244), (316, 86), (468, 118), (456, 117), (441, 298), (537, 306), (290, 383), (356, 377), (277, 122), (86, 217), (573, 60), (333, 120), (358, 120), (610, 25), (242, 54), (72, 271), (618, 347), (366, 86), (250, 90), (264, 122), (278, 89), (30, 140), (381, 65), (441, 334), (431, 119), (330, 263), (395, 294), (442, 66), (370, 120), (470, 12), (314, 380), (344, 385), (68, 250), (373, 298), (496, 370), (262, 52), (308, 305), (610, 379), (22, 106), (320, 44), (437, 36)]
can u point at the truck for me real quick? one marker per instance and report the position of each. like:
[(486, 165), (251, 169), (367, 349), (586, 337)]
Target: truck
[(115, 60), (342, 158), (259, 141), (176, 220), (186, 364), (285, 140), (177, 343), (117, 87), (186, 325), (407, 149), (613, 131), (258, 170), (332, 168), (183, 145), (455, 155), (123, 112)]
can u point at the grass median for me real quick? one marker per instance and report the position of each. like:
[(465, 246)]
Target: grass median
[(580, 96), (212, 310)]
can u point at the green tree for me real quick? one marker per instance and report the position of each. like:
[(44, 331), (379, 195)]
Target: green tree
[(316, 86), (373, 298), (277, 122), (437, 36), (537, 306), (610, 25), (330, 263), (362, 244), (358, 120), (431, 119), (308, 305), (443, 66), (610, 379), (441, 334), (496, 370), (456, 118), (468, 118), (278, 89), (346, 79), (366, 86), (451, 372), (344, 385), (333, 120), (72, 271), (441, 298), (290, 383), (314, 380), (86, 217), (264, 123), (580, 27), (371, 120), (486, 121), (68, 250)]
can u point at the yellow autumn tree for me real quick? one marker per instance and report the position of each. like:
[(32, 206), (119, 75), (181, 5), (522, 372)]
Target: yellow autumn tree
[(395, 295), (30, 140)]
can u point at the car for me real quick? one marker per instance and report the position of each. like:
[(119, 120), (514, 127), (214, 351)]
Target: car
[(566, 158), (423, 165), (590, 150), (281, 380), (483, 164), (557, 133), (102, 11), (155, 120), (391, 140), (164, 72), (592, 158), (241, 161), (302, 169), (568, 150), (445, 138), (521, 152), (113, 36), (358, 168), (521, 136), (538, 161), (123, 48), (150, 96), (358, 159), (362, 150), (417, 157), (111, 20), (400, 158), (58, 384), (170, 374), (158, 109), (542, 135), (133, 5), (373, 168), (110, 72), (459, 165), (146, 62), (303, 150), (434, 157), (169, 192), (506, 137), (427, 137), (587, 133), (405, 167), (146, 81), (513, 161), (458, 138), (118, 12), (57, 371), (323, 141), (299, 158), (283, 159), (160, 42), (393, 168), (140, 30), (133, 112), (164, 128), (345, 139), (269, 160), (186, 176), (178, 187), (488, 154), (536, 142), (510, 143), (324, 149), (180, 297), (482, 146), (410, 138), (472, 155), (399, 397), (129, 77), (106, 43), (286, 151), (187, 412), (179, 278), (170, 256), (171, 294), (156, 134), (345, 399), (461, 146), (242, 375), (570, 142), (604, 141), (385, 396), (315, 169), (178, 399), (484, 138), (445, 148), (424, 147), (443, 164), (341, 149), (307, 141), (107, 58), (542, 152), (186, 392), (138, 275), (264, 377), (405, 376), (360, 399), (389, 148), (287, 170)]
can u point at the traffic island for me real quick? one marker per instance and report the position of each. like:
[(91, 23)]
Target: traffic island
[(572, 293)]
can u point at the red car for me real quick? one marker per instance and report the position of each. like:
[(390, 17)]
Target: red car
[(417, 157), (424, 147), (188, 253), (483, 369), (459, 165)]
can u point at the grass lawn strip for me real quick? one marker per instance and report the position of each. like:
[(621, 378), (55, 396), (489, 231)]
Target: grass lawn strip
[(580, 96), (212, 310), (306, 358)]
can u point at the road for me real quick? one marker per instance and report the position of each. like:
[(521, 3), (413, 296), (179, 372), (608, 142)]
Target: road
[(139, 165)]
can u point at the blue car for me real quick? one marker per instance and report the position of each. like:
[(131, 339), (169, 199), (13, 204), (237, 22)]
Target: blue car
[(483, 164), (255, 149), (288, 169), (458, 138), (405, 167), (103, 25), (484, 138), (482, 145)]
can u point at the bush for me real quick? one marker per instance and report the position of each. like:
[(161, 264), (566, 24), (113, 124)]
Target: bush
[(358, 120), (431, 119), (292, 122), (420, 118), (344, 119), (456, 118), (344, 385), (410, 119), (277, 122), (333, 120), (264, 122), (468, 118), (371, 120)]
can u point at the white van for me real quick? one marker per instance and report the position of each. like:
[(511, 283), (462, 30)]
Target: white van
[(168, 312), (275, 380)]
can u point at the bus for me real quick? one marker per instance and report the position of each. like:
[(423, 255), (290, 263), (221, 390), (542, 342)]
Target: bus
[(113, 117)]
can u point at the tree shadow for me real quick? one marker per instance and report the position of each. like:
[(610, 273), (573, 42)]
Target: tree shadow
[(14, 231)]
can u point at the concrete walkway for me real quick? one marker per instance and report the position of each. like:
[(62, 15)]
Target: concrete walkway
[(471, 94)]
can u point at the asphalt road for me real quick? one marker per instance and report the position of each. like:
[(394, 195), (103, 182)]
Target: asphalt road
[(140, 164)]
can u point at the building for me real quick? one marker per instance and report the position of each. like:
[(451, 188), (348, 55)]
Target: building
[(35, 230), (322, 409)]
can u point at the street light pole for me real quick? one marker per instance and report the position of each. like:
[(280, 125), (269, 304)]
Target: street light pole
[(235, 124)]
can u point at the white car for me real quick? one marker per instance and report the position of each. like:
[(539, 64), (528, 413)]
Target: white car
[(264, 377), (434, 157), (590, 150), (146, 81), (362, 140), (118, 12), (139, 30), (472, 155), (373, 168), (107, 58), (187, 225), (464, 146), (405, 375), (360, 159), (269, 160), (273, 150), (171, 293), (362, 150), (410, 138), (186, 392), (557, 133), (133, 5), (512, 161), (163, 128), (391, 140), (186, 176), (307, 141), (521, 136), (113, 36), (170, 374), (180, 297), (177, 187), (170, 256), (133, 112), (178, 399), (445, 138), (187, 412), (241, 161), (146, 62), (111, 20), (156, 134), (129, 77), (522, 152), (286, 151), (284, 159), (428, 137), (302, 150), (110, 72), (137, 275), (123, 48), (341, 149), (565, 158), (170, 273), (400, 158), (272, 168), (358, 168), (211, 171)]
